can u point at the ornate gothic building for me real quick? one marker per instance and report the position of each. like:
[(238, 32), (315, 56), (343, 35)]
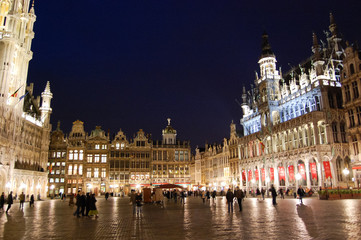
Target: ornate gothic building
[(24, 119)]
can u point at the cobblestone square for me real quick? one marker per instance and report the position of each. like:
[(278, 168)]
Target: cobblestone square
[(316, 219)]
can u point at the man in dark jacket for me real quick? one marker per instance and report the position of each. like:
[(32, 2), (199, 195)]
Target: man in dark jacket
[(87, 205), (229, 197), (301, 193), (78, 205), (10, 201), (274, 195), (82, 203), (239, 196)]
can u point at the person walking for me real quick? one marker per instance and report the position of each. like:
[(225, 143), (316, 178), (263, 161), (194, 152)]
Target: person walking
[(138, 200), (214, 194), (239, 196), (204, 196), (82, 204), (22, 200), (301, 193), (2, 201), (282, 194), (78, 205), (182, 197), (71, 200), (10, 201), (263, 192), (274, 195), (93, 208), (106, 196), (87, 204), (132, 200), (229, 197), (31, 202)]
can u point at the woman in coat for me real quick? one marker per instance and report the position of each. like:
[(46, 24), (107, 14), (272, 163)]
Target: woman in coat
[(93, 208)]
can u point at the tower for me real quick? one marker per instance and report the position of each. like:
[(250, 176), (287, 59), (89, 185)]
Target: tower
[(169, 134), (45, 105), (16, 33)]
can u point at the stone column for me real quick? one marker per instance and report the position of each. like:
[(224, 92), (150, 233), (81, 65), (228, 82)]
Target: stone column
[(307, 169), (276, 181)]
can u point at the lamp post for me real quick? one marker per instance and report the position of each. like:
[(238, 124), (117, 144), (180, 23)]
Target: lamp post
[(346, 172)]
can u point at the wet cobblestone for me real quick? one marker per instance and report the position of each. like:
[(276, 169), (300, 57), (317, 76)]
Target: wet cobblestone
[(53, 219)]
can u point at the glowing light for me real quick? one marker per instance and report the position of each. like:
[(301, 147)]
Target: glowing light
[(267, 180), (38, 186), (346, 171), (234, 182), (23, 185), (210, 185), (253, 181), (298, 176), (203, 188), (8, 185), (90, 186), (138, 186), (52, 187), (223, 184)]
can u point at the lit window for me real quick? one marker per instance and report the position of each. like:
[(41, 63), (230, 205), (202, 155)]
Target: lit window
[(71, 155), (96, 172), (96, 158), (70, 169), (51, 180), (90, 158), (61, 179), (89, 173), (117, 145), (58, 154), (75, 169), (58, 164), (76, 155), (74, 181), (97, 146), (56, 180), (63, 164), (122, 146), (80, 169), (81, 155), (104, 158), (104, 146), (57, 172), (104, 173)]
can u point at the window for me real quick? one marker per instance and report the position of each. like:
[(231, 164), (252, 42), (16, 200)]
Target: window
[(58, 155), (88, 172), (90, 158), (96, 172), (58, 164), (176, 156), (51, 180), (186, 156), (97, 146), (81, 155), (351, 118), (57, 172), (122, 146), (104, 158), (355, 145), (352, 69), (75, 170), (104, 172), (181, 156), (61, 179), (56, 180), (117, 146), (355, 90), (71, 155), (80, 169), (96, 158), (347, 93), (63, 164), (70, 169), (322, 128), (76, 155), (343, 132), (358, 113), (104, 146), (334, 132)]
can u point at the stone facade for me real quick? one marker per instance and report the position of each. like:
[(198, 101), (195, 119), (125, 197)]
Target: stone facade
[(24, 120), (96, 163)]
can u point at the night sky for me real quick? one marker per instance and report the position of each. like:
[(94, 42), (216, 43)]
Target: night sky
[(132, 64)]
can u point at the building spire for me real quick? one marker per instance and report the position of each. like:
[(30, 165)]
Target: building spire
[(266, 47), (32, 9), (316, 47), (168, 119), (58, 126), (333, 26)]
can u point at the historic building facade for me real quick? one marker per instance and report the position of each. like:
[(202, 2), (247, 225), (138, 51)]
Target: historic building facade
[(24, 119), (351, 87), (96, 163), (294, 125)]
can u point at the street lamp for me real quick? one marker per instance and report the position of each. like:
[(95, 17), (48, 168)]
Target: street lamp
[(346, 172)]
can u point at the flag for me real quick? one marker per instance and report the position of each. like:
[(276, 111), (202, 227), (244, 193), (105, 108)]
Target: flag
[(261, 143), (15, 94), (50, 168), (23, 96)]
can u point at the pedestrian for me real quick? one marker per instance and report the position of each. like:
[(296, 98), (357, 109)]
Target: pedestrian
[(2, 201), (132, 200), (263, 192), (239, 196), (87, 204), (10, 201), (22, 200), (71, 200), (229, 197), (175, 195), (182, 197), (301, 193), (82, 203), (78, 205), (214, 194), (208, 194), (138, 200), (281, 193), (93, 208), (274, 195), (204, 196), (106, 195), (31, 202)]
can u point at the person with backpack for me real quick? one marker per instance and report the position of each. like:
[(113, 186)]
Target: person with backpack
[(301, 193), (229, 197), (239, 196)]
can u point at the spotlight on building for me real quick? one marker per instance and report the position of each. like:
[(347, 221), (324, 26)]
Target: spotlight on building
[(298, 176)]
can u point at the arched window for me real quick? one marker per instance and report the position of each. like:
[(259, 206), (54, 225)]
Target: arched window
[(317, 101), (352, 69)]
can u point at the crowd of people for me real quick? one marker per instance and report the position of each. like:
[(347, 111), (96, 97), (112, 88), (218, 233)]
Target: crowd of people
[(85, 204), (9, 200)]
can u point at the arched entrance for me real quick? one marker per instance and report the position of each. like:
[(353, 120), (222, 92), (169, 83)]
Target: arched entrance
[(301, 175), (312, 173)]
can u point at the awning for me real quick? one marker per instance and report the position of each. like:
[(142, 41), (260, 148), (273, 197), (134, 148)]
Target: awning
[(356, 167)]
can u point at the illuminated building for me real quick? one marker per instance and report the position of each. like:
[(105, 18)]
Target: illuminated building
[(24, 121)]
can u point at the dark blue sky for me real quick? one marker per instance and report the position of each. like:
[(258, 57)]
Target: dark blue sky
[(132, 64)]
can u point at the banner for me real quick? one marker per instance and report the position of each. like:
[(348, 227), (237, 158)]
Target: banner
[(301, 170), (327, 167), (291, 173), (243, 175), (263, 173), (281, 171), (249, 175), (272, 174), (256, 174), (313, 170)]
